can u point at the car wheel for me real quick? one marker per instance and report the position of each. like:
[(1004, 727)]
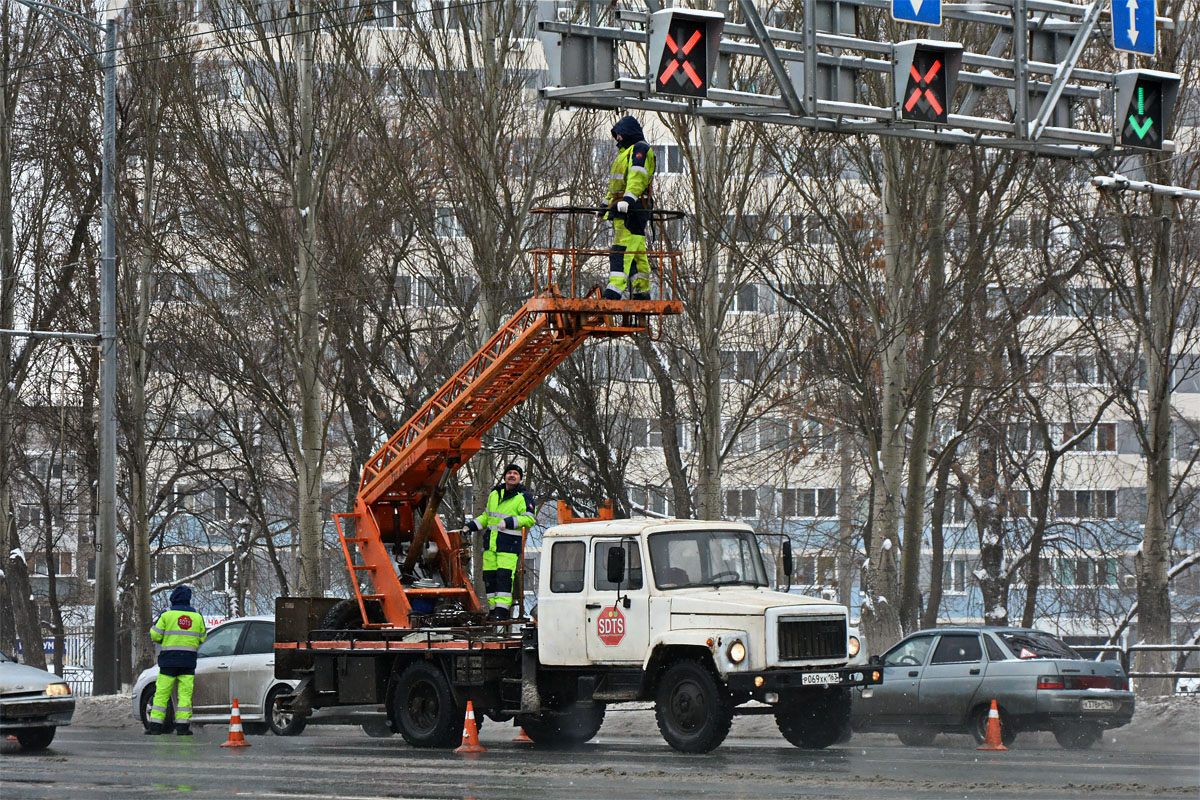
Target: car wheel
[(693, 710), (147, 701), (979, 720), (36, 738), (377, 729), (282, 723), (1077, 736), (917, 737), (424, 709), (814, 719), (571, 725)]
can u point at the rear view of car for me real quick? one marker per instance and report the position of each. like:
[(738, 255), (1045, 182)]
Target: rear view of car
[(34, 703)]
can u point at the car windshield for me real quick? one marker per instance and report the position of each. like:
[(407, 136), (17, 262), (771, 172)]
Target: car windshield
[(1035, 644), (682, 559)]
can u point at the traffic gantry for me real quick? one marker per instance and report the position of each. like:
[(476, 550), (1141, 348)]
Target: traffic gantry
[(1145, 101), (683, 50), (924, 74)]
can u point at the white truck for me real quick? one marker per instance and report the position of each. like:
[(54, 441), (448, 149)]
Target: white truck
[(677, 612)]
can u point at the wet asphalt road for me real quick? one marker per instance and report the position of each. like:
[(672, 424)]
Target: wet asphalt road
[(342, 763)]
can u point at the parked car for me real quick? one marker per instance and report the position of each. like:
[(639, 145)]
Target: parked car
[(944, 680), (34, 703), (237, 660)]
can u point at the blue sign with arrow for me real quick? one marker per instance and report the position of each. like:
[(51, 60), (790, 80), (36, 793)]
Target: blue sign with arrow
[(1132, 26), (925, 12)]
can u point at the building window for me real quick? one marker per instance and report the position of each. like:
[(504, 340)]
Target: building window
[(954, 575), (653, 499), (1101, 438), (741, 503), (1087, 504), (811, 503), (815, 570), (1087, 571)]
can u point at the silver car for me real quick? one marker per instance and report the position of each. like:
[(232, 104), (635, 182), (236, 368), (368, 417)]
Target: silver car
[(237, 660), (944, 680), (34, 703)]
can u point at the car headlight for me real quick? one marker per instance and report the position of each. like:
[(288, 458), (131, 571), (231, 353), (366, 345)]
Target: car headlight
[(854, 645), (737, 652), (58, 689)]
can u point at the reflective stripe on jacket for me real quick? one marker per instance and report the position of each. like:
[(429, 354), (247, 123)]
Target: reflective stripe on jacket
[(502, 503), (180, 633)]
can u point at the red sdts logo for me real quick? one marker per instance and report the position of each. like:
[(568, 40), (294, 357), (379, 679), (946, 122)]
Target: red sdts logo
[(185, 622), (610, 626)]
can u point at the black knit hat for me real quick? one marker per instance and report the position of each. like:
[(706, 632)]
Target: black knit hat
[(511, 467)]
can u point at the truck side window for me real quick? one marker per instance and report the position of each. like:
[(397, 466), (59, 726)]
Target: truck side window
[(566, 566), (633, 566)]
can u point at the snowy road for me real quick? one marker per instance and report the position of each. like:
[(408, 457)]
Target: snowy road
[(341, 762)]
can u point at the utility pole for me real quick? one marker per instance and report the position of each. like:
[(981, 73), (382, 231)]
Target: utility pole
[(104, 658)]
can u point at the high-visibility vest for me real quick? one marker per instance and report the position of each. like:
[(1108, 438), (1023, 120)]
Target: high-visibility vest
[(179, 632), (631, 172), (518, 505)]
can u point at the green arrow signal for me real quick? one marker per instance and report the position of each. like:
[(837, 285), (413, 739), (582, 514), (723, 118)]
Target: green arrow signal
[(1140, 130)]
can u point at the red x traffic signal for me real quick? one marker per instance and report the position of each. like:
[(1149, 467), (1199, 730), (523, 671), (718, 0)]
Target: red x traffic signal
[(683, 51), (925, 74)]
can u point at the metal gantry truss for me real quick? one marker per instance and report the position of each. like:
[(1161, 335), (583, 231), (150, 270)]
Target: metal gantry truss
[(597, 58)]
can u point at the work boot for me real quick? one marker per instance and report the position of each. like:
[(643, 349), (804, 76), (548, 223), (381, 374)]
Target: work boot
[(154, 729), (183, 729), (498, 614), (611, 294), (640, 296)]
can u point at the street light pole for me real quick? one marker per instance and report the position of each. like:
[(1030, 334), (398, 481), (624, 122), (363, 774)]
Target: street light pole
[(104, 656)]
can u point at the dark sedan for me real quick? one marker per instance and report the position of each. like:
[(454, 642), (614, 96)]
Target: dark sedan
[(944, 680)]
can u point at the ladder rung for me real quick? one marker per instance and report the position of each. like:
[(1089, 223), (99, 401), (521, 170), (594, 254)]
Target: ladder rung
[(363, 566), (371, 596), (353, 540), (439, 592)]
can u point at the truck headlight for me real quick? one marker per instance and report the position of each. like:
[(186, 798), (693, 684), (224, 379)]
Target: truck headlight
[(737, 652), (58, 689), (854, 645)]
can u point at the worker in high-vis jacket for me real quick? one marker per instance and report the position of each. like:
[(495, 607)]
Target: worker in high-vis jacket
[(180, 631), (509, 509), (628, 202)]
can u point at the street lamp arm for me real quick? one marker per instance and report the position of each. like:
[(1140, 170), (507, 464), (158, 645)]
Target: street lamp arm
[(62, 27)]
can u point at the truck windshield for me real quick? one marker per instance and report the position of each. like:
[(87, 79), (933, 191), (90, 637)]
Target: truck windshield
[(683, 559)]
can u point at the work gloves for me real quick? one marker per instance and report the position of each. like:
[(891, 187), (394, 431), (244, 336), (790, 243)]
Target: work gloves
[(511, 523), (471, 526), (622, 206)]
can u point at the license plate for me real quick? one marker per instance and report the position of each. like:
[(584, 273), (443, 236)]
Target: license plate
[(820, 678), (1098, 705)]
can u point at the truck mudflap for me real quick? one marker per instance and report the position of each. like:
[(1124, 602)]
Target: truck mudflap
[(774, 680)]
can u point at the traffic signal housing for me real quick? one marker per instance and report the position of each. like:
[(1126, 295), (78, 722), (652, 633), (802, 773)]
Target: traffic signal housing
[(924, 76), (683, 49), (1145, 103)]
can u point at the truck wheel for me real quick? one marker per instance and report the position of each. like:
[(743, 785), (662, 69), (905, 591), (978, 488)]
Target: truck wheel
[(1077, 736), (694, 711), (147, 701), (345, 616), (423, 707), (571, 725), (814, 719), (35, 738)]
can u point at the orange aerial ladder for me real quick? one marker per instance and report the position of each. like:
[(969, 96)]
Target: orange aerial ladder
[(395, 510)]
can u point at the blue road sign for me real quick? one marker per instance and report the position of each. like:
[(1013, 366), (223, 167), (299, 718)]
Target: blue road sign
[(925, 12), (1132, 26)]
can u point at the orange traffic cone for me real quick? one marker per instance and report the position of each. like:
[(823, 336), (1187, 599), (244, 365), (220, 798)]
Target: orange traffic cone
[(470, 742), (522, 736), (236, 738), (992, 740)]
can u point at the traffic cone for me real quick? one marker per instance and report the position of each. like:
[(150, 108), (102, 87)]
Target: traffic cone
[(522, 736), (993, 741), (236, 738), (470, 742)]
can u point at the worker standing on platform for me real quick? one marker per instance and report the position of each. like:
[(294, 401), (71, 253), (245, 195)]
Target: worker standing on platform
[(628, 204), (509, 509)]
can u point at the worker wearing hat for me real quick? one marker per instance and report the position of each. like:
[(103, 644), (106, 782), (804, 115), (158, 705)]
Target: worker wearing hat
[(509, 509), (180, 631)]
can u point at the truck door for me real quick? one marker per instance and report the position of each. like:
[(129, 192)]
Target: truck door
[(948, 684), (560, 610), (616, 633)]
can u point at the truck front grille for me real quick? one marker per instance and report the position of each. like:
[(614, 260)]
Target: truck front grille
[(811, 639)]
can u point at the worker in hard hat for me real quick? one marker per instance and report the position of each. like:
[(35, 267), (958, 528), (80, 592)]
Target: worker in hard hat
[(509, 509), (629, 201)]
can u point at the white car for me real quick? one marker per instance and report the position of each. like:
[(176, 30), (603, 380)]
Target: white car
[(33, 704), (237, 660)]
